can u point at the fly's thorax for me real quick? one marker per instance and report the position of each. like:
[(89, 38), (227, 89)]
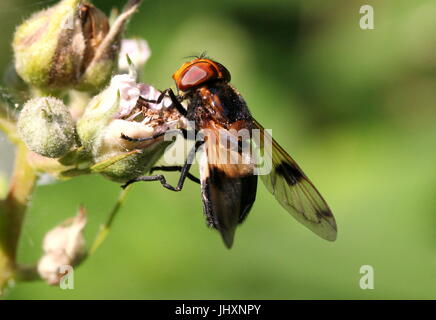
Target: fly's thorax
[(203, 106), (218, 102)]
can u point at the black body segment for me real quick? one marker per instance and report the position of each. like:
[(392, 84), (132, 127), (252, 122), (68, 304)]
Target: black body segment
[(217, 102)]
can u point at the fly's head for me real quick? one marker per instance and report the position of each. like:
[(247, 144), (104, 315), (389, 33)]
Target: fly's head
[(199, 71)]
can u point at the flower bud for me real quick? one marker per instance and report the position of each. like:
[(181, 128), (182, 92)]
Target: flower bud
[(122, 109), (69, 45), (63, 245), (46, 127)]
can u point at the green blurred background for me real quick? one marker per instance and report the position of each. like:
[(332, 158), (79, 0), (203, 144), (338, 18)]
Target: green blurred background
[(355, 108)]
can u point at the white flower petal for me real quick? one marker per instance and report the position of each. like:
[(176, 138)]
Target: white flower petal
[(137, 49)]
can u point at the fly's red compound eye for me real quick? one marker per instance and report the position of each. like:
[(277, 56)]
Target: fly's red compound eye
[(199, 71), (197, 74)]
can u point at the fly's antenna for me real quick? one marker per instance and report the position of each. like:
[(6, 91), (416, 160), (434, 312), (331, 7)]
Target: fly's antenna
[(202, 55)]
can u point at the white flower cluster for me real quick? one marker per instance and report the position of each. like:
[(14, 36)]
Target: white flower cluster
[(130, 91)]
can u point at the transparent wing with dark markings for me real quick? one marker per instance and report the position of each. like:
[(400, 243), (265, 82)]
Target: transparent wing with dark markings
[(294, 191)]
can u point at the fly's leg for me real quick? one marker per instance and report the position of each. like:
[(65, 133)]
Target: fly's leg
[(173, 169), (177, 103), (153, 137), (159, 177), (174, 100), (159, 99), (183, 175)]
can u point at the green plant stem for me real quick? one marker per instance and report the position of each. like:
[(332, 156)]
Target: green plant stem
[(104, 228), (12, 213), (26, 273)]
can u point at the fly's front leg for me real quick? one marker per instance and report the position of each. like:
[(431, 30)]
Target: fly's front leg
[(176, 103), (174, 100), (159, 99)]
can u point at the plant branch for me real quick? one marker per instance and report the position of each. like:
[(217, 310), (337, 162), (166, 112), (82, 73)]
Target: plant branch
[(12, 213), (10, 129)]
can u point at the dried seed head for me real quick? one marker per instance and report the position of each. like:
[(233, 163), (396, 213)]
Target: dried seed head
[(69, 45), (46, 127), (63, 245)]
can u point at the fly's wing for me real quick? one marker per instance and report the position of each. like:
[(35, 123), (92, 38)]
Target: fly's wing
[(294, 191), (228, 186)]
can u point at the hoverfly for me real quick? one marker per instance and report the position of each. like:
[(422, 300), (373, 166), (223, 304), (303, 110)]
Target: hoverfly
[(229, 189)]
